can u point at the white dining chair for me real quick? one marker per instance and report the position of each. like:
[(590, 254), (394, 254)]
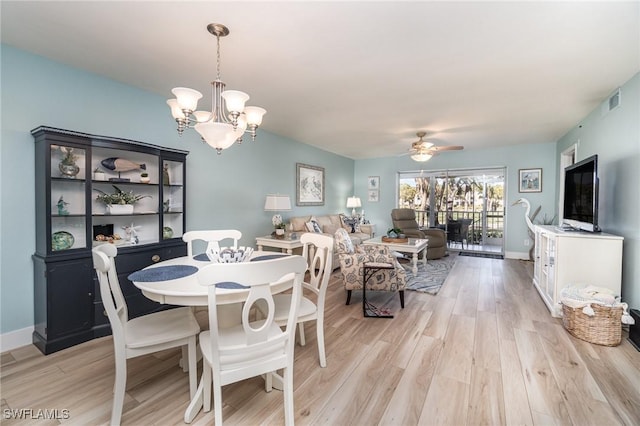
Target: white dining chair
[(255, 346), (320, 247), (142, 335), (212, 238)]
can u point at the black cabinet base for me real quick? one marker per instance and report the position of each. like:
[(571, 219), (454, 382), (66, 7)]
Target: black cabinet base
[(50, 346)]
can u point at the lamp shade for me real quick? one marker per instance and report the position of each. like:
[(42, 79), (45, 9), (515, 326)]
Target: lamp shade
[(353, 202), (276, 202)]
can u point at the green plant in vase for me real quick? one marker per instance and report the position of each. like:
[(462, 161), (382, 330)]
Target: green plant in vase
[(119, 198)]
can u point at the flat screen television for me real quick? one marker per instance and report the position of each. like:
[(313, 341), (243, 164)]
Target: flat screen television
[(581, 196)]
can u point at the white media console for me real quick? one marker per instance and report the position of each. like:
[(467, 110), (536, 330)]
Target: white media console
[(564, 258)]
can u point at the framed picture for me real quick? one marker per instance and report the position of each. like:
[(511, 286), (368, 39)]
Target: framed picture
[(374, 195), (374, 182), (530, 180), (309, 185)]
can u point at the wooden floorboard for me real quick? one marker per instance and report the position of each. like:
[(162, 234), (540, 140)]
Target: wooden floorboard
[(483, 351)]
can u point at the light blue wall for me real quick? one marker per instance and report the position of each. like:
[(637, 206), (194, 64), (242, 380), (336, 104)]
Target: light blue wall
[(513, 158), (223, 191), (615, 137)]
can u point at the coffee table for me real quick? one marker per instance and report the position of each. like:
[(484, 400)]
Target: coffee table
[(414, 246), (286, 244)]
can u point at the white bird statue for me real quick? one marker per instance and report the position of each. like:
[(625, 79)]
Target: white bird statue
[(529, 221)]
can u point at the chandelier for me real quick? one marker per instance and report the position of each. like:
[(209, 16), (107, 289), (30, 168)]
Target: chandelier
[(217, 128)]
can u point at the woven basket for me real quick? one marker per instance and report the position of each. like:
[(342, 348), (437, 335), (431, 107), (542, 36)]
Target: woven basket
[(604, 328)]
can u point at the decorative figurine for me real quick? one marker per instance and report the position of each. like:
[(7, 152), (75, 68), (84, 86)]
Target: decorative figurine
[(165, 175), (62, 211), (132, 233)]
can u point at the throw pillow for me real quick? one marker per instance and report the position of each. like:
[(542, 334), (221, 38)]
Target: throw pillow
[(313, 226)]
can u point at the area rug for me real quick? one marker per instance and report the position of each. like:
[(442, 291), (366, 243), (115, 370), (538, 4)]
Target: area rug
[(429, 280)]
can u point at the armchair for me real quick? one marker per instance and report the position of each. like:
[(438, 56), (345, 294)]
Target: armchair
[(352, 259), (405, 219)]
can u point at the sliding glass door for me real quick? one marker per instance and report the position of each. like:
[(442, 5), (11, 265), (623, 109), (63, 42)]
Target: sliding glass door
[(467, 204)]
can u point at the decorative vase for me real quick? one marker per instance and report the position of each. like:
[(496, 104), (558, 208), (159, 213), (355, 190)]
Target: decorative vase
[(68, 170), (167, 233), (145, 179), (99, 176), (279, 231), (119, 209)]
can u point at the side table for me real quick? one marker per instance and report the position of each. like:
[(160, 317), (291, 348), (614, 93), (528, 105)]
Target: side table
[(368, 269)]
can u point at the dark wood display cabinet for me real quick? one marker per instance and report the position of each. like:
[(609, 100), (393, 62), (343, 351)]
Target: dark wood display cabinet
[(74, 171)]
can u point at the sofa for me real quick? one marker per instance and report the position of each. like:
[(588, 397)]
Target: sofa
[(328, 225)]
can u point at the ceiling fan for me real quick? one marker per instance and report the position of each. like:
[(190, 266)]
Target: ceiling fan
[(422, 150)]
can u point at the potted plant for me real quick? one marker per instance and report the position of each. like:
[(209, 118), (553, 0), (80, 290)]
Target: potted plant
[(144, 177), (99, 174), (280, 227), (119, 202), (395, 233)]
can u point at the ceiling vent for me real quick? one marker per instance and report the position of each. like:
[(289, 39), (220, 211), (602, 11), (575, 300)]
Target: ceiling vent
[(612, 102)]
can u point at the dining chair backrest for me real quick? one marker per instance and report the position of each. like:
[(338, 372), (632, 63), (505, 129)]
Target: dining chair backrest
[(212, 238), (320, 266), (112, 298), (257, 349)]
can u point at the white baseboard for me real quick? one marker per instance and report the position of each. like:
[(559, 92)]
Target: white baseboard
[(516, 255), (15, 339)]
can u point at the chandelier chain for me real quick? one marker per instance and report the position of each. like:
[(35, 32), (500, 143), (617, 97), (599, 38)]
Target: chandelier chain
[(218, 56)]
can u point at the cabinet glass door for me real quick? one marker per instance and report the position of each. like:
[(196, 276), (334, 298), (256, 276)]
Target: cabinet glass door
[(173, 199), (67, 198)]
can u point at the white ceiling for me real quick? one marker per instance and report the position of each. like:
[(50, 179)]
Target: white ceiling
[(359, 78)]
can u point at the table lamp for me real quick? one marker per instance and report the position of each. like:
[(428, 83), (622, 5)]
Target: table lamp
[(277, 203), (353, 203)]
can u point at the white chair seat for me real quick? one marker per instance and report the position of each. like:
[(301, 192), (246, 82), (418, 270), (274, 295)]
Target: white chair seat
[(176, 324), (236, 337), (283, 301)]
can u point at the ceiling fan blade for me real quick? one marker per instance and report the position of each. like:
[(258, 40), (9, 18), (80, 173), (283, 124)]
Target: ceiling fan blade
[(447, 148)]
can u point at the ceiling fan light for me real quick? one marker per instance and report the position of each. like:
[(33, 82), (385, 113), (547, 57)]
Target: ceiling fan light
[(421, 157), (187, 98)]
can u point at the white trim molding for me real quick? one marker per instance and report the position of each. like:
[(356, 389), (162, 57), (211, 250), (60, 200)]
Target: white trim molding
[(15, 339)]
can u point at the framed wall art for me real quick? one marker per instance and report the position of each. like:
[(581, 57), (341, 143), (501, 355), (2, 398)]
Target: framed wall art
[(530, 180), (374, 195), (373, 182), (309, 185)]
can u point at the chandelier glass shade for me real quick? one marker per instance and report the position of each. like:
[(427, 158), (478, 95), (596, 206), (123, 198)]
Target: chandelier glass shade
[(228, 119)]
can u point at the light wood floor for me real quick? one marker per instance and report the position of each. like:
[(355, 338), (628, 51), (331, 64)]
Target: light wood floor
[(483, 351)]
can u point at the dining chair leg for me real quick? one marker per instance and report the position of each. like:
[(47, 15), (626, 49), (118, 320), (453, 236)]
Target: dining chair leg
[(206, 384), (301, 331), (119, 388), (320, 336), (183, 361), (288, 396), (191, 353), (217, 403)]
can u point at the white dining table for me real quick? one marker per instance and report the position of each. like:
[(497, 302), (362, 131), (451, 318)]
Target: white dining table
[(187, 291)]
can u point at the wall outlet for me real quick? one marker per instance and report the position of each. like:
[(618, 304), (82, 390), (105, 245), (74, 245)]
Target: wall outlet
[(526, 242)]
